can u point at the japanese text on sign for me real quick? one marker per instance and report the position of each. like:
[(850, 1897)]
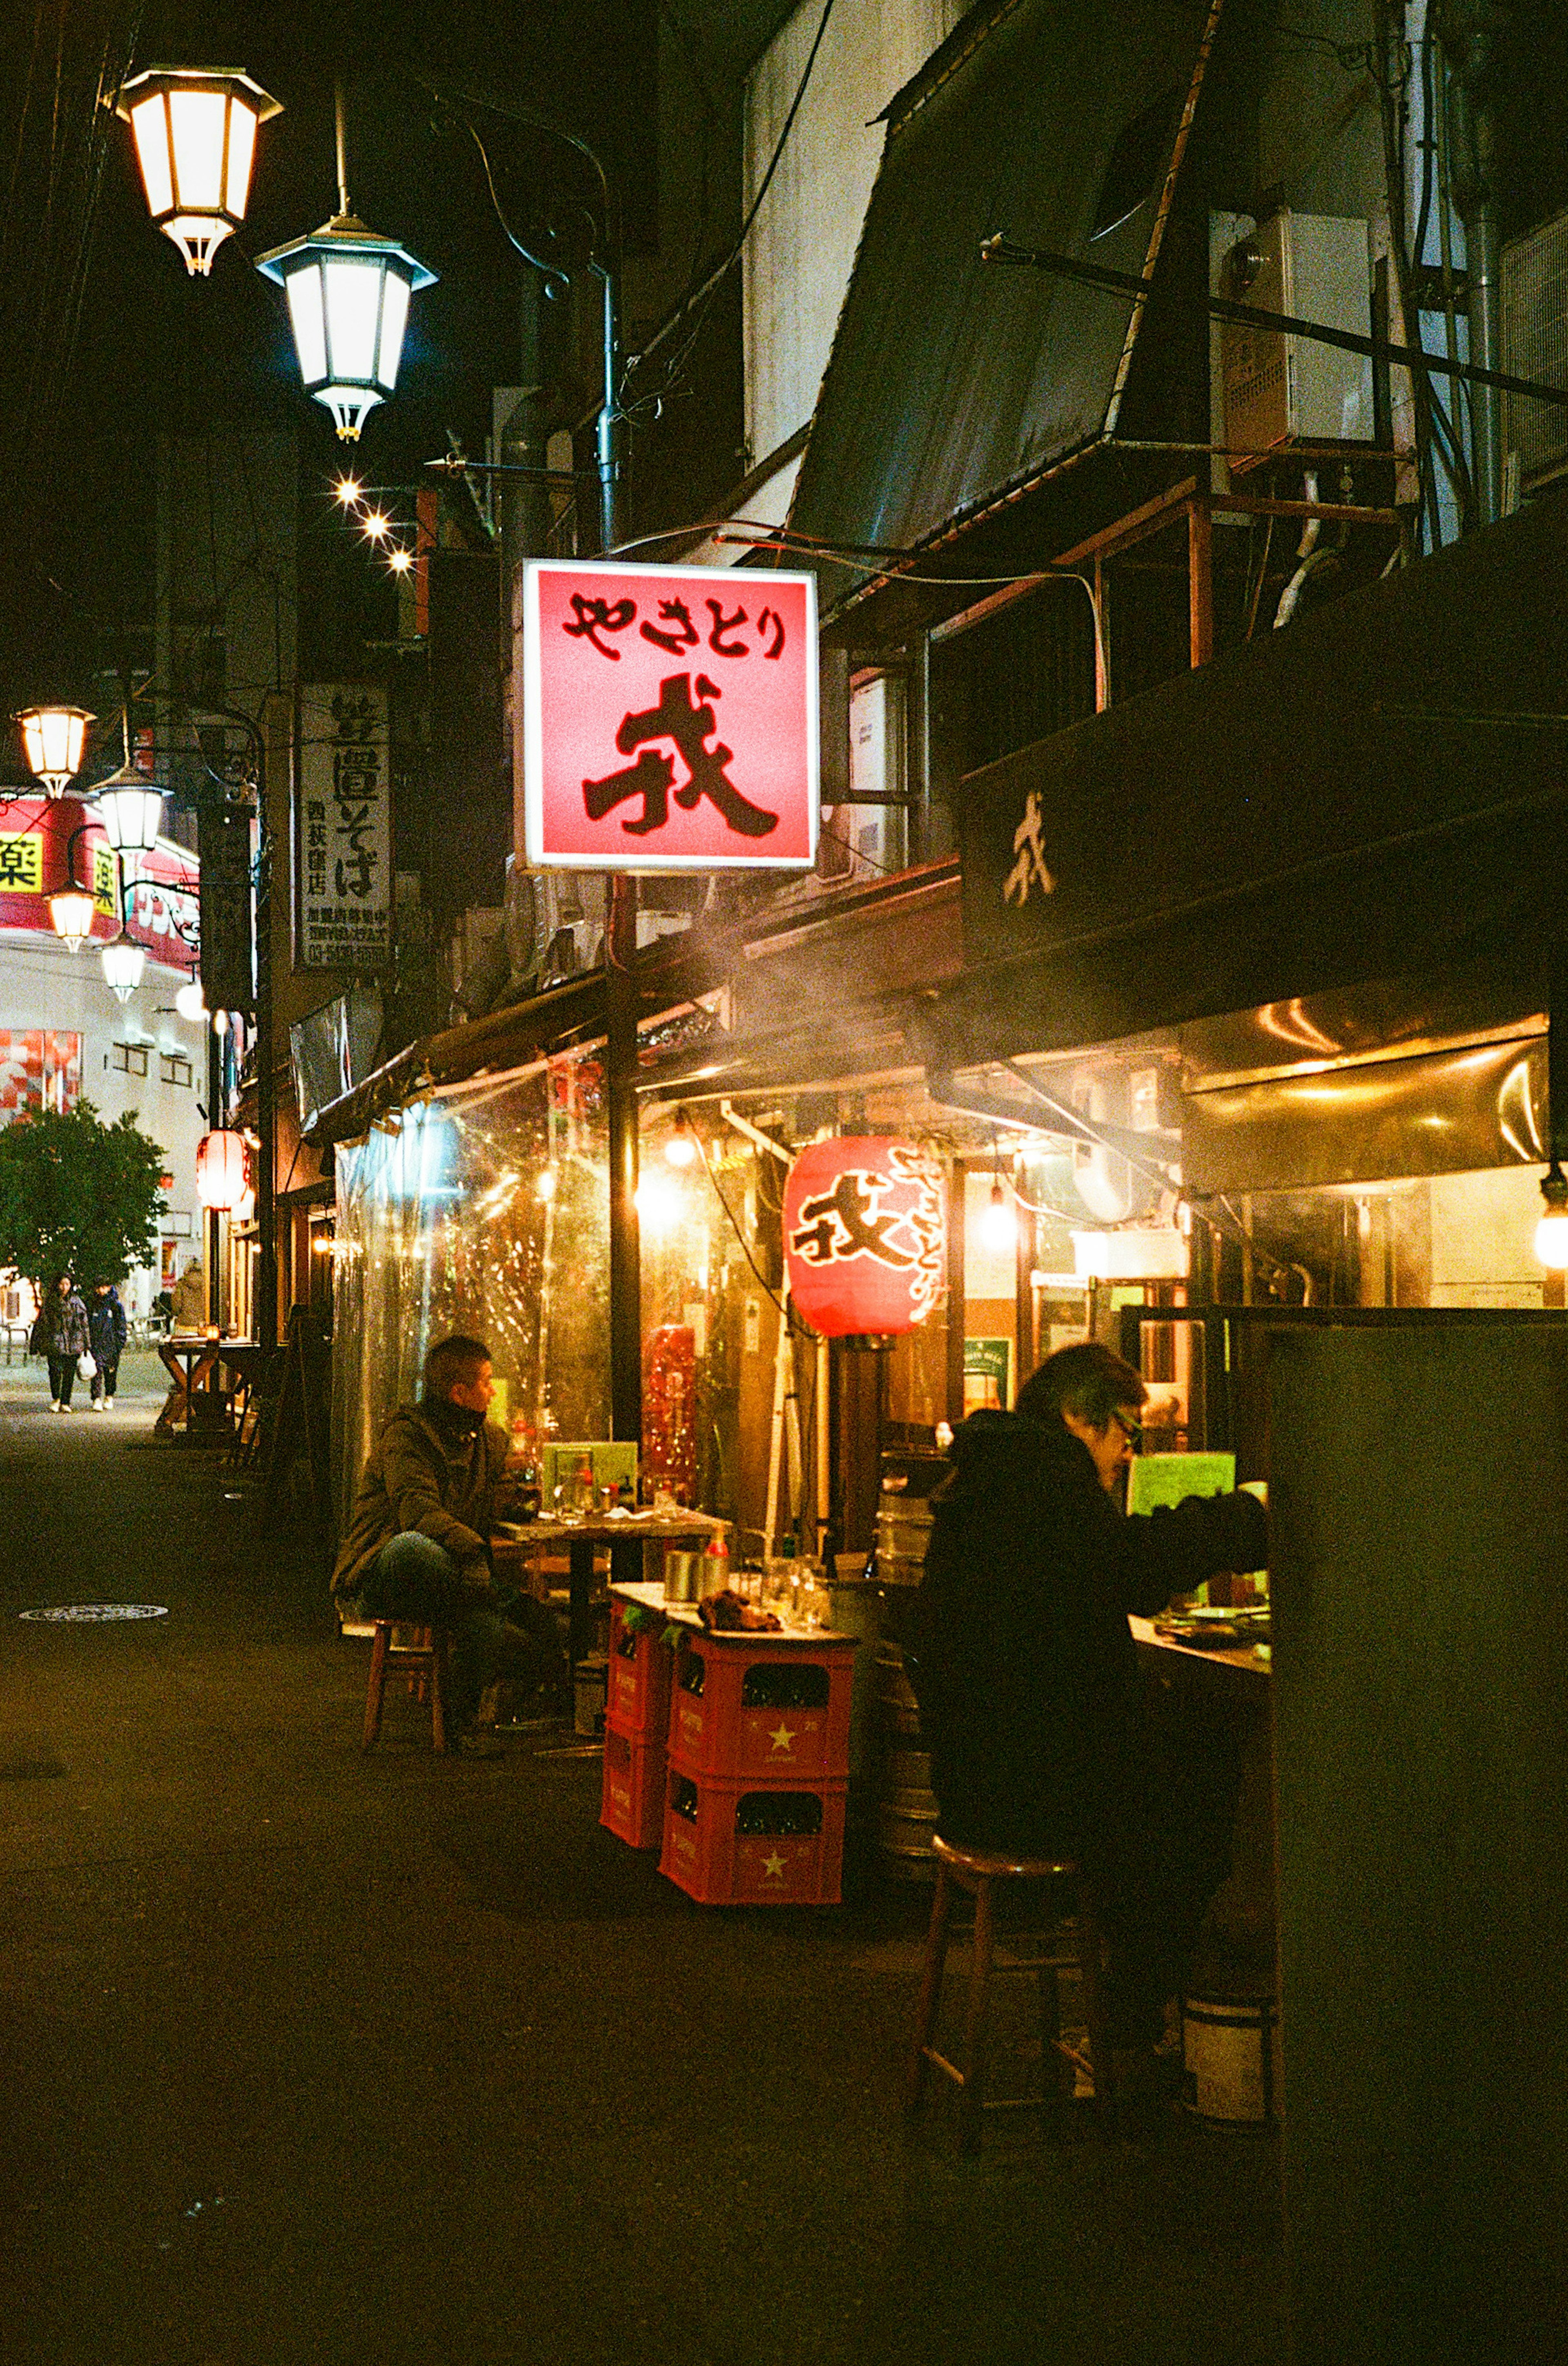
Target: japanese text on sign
[(343, 837), (722, 752)]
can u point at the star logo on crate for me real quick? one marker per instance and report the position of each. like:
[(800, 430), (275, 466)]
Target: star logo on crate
[(773, 1868), (782, 1738)]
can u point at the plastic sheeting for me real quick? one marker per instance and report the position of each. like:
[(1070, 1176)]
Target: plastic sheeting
[(484, 1210)]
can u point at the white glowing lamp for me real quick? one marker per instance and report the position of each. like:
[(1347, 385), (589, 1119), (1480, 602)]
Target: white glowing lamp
[(195, 139), (1551, 1232), (73, 913), (130, 809), (52, 740), (190, 1002), (123, 965), (999, 1223), (681, 1149), (347, 291), (658, 1202)]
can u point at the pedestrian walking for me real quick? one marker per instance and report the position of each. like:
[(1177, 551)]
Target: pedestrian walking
[(62, 1333), (107, 1329)]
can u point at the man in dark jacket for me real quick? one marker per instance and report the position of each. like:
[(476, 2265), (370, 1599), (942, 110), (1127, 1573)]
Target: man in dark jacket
[(418, 1547), (1042, 1738), (107, 1329)]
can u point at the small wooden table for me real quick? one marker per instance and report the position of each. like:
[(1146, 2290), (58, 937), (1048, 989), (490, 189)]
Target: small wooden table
[(620, 1531), (184, 1357)]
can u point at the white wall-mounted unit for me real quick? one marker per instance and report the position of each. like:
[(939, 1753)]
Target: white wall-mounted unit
[(1535, 344), (1282, 388)]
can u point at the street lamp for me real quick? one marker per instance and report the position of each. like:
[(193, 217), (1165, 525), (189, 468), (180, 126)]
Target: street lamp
[(123, 965), (347, 291), (195, 136), (52, 738), (71, 911), (130, 810)]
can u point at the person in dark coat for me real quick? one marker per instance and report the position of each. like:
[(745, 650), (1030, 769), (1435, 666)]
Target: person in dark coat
[(1043, 1738), (107, 1329), (62, 1333), (418, 1542)]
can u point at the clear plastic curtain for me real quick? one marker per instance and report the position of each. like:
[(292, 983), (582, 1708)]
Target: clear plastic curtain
[(482, 1209)]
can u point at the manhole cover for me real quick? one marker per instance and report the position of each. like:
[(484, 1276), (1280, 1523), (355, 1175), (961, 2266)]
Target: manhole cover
[(93, 1614)]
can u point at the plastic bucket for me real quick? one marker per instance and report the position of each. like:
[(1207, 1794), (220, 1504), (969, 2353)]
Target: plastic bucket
[(1230, 2054)]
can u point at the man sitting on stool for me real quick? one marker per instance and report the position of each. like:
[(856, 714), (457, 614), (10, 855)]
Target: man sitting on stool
[(1044, 1738), (418, 1540)]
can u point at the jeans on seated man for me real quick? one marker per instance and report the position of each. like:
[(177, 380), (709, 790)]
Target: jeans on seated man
[(416, 1546)]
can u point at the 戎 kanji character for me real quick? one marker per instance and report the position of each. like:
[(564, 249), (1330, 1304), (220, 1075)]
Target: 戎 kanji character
[(674, 612), (844, 1222), (722, 625), (678, 716), (1030, 868), (595, 616), (771, 620)]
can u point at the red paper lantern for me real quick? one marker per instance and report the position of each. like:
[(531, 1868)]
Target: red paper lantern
[(221, 1170), (864, 1236)]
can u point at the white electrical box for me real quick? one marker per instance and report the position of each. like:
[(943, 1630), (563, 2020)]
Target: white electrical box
[(1534, 282), (1282, 388)]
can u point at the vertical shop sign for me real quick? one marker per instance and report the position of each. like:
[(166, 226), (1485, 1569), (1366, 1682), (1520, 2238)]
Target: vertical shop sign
[(670, 717), (223, 851), (343, 830)]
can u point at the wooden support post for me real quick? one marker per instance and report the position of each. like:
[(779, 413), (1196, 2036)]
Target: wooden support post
[(1200, 582)]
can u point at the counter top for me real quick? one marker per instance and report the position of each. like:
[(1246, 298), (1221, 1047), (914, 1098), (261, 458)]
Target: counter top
[(1241, 1661), (683, 1614)]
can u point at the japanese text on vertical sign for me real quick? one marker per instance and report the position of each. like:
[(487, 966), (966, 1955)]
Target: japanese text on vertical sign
[(342, 831)]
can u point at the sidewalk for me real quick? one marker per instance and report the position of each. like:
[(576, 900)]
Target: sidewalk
[(309, 2057)]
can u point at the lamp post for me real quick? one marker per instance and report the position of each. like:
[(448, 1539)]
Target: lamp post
[(52, 742), (347, 291), (195, 139)]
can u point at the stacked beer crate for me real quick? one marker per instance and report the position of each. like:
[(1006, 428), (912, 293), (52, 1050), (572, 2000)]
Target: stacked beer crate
[(757, 1766), (636, 1713)]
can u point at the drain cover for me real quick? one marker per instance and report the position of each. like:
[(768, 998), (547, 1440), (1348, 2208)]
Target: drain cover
[(93, 1614)]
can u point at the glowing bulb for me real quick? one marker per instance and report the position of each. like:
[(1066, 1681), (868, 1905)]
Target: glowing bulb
[(190, 1002), (376, 524), (999, 1223), (681, 1149), (400, 560), (1551, 1232), (658, 1204), (545, 1183), (347, 489)]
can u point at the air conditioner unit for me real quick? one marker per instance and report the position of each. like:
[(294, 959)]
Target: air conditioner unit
[(1282, 388), (1534, 286)]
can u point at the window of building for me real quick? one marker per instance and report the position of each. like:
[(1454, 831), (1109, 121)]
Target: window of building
[(172, 1067), (129, 1058)]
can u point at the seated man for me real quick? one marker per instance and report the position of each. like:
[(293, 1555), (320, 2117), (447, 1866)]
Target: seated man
[(1044, 1739), (416, 1546)]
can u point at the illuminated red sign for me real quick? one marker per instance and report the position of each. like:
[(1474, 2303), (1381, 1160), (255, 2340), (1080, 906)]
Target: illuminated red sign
[(47, 844), (863, 1235), (670, 717)]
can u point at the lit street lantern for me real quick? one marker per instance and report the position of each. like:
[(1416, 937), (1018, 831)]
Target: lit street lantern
[(130, 810), (123, 965), (72, 913), (220, 1171), (347, 291), (865, 1236), (52, 739), (195, 137), (190, 1002)]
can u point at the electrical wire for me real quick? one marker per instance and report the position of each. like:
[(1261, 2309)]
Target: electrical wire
[(784, 1314)]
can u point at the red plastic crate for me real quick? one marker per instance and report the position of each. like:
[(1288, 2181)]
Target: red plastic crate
[(640, 1665), (705, 1853), (714, 1732), (633, 1796)]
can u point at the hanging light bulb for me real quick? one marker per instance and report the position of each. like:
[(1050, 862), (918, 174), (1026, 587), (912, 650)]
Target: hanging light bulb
[(347, 489), (190, 1001), (196, 138), (544, 1184), (73, 913), (999, 1223), (1551, 1232), (681, 1149), (123, 965), (52, 739), (658, 1204)]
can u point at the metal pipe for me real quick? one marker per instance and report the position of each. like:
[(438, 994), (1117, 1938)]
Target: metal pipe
[(340, 113)]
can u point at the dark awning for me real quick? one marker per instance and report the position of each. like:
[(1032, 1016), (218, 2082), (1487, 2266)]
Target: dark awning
[(953, 386), (1380, 787)]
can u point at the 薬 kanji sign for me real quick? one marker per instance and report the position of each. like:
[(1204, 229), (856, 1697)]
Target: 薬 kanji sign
[(670, 717), (865, 1236)]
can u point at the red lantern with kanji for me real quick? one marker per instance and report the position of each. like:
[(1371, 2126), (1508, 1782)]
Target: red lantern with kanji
[(220, 1171), (863, 1235)]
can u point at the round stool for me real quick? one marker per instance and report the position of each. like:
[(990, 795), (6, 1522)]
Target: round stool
[(423, 1660)]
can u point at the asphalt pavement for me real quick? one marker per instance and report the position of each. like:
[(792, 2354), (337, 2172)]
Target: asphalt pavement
[(310, 2058)]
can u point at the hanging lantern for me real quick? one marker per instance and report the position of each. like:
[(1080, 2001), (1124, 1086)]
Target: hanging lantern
[(195, 137), (131, 810), (865, 1236), (348, 293), (52, 738), (73, 913), (220, 1171), (123, 965), (190, 1002)]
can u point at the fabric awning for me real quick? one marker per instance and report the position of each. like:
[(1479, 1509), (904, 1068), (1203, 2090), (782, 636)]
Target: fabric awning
[(954, 386), (1380, 787)]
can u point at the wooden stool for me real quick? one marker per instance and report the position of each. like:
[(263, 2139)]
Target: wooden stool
[(423, 1660), (976, 1872)]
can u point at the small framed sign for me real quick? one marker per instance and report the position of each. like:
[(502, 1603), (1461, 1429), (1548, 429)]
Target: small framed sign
[(670, 717)]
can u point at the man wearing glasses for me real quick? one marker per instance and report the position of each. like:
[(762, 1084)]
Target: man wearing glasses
[(1043, 1739)]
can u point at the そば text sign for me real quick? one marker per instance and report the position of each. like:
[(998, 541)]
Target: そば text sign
[(671, 717)]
